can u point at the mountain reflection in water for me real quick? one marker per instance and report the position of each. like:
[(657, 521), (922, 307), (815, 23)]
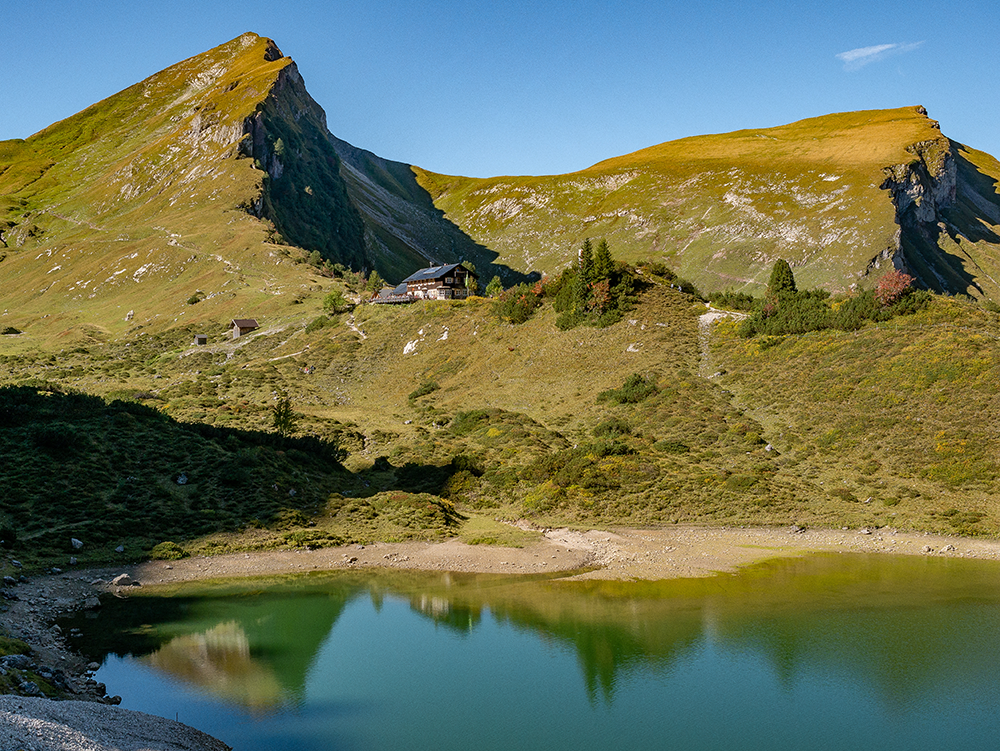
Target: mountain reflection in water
[(900, 628)]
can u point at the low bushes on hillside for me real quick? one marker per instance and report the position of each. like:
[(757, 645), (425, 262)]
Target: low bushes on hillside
[(517, 304), (594, 291), (122, 473), (636, 388), (787, 310)]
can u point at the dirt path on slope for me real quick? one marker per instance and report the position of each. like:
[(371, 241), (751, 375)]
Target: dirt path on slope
[(705, 321)]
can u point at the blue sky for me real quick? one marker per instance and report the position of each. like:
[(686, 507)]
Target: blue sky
[(478, 88)]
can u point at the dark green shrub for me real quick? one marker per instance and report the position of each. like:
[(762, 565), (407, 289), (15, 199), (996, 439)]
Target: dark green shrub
[(425, 388), (8, 534), (464, 463), (636, 388), (466, 422), (844, 494), (730, 300), (517, 304), (168, 551), (335, 302), (612, 428), (672, 447), (318, 324)]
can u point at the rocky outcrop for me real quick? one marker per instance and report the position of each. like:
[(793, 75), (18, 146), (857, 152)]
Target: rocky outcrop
[(921, 188), (304, 194), (922, 191)]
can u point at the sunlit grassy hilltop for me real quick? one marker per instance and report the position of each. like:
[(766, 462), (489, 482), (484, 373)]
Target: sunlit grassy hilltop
[(841, 197), (194, 181)]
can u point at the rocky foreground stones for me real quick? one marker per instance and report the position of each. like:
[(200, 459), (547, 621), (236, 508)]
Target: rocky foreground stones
[(43, 725), (51, 667)]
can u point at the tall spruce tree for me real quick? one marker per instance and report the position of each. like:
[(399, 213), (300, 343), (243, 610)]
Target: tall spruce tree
[(604, 265), (586, 264), (782, 279)]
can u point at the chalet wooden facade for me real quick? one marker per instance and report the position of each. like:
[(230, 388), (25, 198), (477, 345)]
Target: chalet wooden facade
[(439, 282), (241, 326)]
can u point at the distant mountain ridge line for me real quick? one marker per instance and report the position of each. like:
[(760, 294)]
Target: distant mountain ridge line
[(162, 164)]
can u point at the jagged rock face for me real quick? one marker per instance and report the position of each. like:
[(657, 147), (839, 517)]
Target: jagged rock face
[(305, 195), (925, 186), (947, 209), (404, 230)]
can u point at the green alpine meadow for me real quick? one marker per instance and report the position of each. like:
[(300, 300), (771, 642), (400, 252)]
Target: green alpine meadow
[(207, 343)]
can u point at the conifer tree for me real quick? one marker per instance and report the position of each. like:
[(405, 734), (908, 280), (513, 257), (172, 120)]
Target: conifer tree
[(283, 418), (375, 282), (782, 279), (586, 264), (604, 264)]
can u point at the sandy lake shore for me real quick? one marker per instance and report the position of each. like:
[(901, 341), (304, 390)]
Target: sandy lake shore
[(673, 552)]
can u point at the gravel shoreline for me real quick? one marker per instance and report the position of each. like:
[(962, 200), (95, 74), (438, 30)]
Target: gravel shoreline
[(622, 554)]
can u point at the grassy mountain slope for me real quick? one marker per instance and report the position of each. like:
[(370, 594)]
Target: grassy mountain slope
[(191, 198), (830, 194), (440, 403), (895, 420), (190, 181)]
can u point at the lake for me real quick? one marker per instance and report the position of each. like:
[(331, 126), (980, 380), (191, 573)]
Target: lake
[(823, 652)]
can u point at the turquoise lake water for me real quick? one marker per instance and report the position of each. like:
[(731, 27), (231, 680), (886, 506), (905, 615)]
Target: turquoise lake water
[(827, 652)]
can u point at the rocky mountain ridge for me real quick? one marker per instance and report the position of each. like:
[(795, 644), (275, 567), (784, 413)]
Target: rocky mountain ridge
[(208, 176)]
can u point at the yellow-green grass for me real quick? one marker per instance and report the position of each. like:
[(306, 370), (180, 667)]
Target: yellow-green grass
[(893, 422), (142, 200), (886, 426)]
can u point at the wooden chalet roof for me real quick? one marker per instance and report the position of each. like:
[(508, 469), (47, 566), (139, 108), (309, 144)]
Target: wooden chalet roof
[(244, 323), (434, 272)]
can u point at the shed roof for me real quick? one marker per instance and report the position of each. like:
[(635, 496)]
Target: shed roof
[(244, 323)]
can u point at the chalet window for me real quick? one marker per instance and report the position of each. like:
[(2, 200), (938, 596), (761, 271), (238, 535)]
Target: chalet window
[(449, 280)]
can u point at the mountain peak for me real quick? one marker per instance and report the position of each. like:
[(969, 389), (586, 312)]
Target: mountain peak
[(205, 165)]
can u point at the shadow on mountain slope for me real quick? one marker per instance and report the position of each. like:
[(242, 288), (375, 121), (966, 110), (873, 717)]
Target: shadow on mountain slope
[(404, 230), (122, 473)]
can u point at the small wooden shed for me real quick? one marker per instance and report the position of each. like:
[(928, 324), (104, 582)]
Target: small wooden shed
[(200, 339), (241, 326)]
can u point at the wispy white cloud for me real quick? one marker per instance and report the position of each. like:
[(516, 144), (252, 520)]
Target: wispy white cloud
[(862, 56)]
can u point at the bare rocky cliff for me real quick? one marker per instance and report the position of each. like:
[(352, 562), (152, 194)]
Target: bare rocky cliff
[(947, 209), (303, 193)]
